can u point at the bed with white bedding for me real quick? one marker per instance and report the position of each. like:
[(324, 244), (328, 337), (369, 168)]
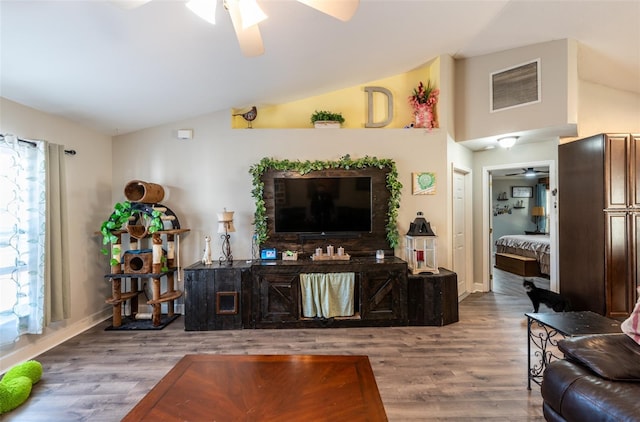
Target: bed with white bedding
[(535, 246)]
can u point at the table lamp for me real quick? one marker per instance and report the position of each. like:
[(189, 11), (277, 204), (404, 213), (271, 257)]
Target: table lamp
[(225, 226), (537, 212)]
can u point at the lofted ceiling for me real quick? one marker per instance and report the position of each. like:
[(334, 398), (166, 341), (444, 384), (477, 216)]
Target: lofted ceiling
[(119, 71)]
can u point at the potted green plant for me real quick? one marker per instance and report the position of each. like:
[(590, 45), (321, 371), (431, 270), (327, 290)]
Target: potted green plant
[(120, 219), (326, 119)]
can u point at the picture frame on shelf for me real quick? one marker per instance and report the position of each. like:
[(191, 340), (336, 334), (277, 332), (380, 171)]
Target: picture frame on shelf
[(522, 191)]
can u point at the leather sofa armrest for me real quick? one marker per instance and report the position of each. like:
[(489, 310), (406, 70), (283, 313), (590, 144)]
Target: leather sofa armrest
[(614, 357), (574, 393)]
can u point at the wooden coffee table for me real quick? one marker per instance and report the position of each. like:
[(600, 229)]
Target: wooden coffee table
[(264, 388)]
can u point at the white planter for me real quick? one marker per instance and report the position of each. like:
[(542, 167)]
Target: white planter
[(326, 124)]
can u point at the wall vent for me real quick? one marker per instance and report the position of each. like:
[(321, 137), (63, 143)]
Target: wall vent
[(515, 86)]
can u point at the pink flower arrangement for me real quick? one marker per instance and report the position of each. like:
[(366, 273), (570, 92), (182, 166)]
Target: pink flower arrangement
[(423, 101)]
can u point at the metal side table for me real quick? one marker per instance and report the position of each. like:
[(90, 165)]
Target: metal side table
[(563, 324)]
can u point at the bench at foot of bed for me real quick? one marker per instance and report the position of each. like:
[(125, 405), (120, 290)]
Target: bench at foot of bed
[(516, 264)]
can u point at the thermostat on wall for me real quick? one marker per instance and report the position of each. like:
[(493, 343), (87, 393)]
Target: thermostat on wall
[(268, 253)]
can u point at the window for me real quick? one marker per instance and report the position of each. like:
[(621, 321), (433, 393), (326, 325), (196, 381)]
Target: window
[(22, 237)]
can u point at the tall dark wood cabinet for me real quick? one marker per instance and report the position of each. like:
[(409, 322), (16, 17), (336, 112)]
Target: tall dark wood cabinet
[(599, 222)]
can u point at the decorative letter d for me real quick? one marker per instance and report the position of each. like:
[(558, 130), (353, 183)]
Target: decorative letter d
[(370, 90)]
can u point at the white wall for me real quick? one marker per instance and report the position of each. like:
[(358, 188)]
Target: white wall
[(603, 109), (557, 108), (519, 219), (89, 190)]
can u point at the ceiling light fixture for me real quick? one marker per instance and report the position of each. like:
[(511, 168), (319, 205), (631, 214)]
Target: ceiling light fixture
[(507, 142), (206, 9)]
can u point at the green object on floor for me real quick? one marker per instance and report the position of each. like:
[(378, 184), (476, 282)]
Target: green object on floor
[(16, 384)]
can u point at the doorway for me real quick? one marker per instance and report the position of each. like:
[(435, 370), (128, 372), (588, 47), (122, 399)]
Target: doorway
[(505, 210)]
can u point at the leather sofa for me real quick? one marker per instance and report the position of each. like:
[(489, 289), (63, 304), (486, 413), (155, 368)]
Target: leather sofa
[(598, 380)]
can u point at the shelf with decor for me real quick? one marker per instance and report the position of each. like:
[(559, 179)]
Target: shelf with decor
[(403, 101)]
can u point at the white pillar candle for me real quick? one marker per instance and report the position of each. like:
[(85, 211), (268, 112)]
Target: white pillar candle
[(340, 251), (319, 251), (330, 250)]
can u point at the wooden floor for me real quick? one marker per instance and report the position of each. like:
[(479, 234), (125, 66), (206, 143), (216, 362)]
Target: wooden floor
[(472, 370), (511, 284)]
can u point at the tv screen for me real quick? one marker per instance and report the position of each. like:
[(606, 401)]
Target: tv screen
[(322, 204)]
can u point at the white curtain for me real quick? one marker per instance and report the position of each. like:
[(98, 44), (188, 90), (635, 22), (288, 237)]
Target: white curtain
[(32, 238)]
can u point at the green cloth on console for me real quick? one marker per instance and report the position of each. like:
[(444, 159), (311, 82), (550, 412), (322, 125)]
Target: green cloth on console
[(327, 295)]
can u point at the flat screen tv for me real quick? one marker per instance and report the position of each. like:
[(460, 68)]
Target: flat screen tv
[(322, 204)]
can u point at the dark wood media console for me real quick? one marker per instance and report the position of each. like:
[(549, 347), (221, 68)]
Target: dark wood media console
[(379, 297), (268, 295)]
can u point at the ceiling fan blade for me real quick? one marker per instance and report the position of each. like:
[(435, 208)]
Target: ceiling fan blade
[(249, 38), (339, 9), (514, 174), (129, 4)]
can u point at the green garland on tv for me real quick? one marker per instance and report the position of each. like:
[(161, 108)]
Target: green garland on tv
[(304, 167)]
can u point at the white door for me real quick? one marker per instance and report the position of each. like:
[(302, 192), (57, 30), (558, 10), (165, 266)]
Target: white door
[(490, 246), (459, 230)]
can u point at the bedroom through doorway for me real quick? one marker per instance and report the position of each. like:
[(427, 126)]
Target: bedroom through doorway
[(520, 227)]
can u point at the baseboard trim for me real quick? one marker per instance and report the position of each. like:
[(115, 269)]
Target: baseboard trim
[(52, 337)]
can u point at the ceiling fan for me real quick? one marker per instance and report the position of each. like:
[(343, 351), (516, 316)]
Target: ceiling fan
[(246, 14), (528, 172)]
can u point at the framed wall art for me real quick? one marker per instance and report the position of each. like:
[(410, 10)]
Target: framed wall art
[(522, 191), (424, 183)]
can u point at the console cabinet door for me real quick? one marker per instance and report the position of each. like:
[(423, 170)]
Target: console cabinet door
[(384, 294), (278, 297), (635, 254), (198, 303), (226, 298), (617, 180), (213, 297)]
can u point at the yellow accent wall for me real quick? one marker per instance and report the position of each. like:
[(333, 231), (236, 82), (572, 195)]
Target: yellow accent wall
[(351, 102)]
